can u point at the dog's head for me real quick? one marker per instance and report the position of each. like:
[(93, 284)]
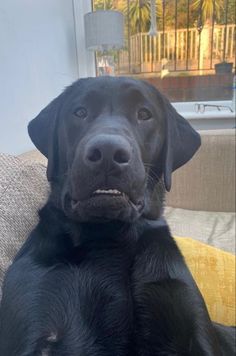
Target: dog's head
[(109, 141)]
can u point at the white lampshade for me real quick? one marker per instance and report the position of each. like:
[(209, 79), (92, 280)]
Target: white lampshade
[(104, 30)]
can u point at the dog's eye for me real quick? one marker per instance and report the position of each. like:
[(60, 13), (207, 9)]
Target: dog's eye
[(144, 114), (81, 113)]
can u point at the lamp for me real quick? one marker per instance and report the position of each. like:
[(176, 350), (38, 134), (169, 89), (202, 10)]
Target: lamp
[(104, 30)]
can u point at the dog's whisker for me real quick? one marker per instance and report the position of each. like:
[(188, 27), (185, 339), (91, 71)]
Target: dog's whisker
[(148, 164), (154, 178)]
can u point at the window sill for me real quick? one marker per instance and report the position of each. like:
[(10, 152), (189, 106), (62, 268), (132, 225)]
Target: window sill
[(187, 110)]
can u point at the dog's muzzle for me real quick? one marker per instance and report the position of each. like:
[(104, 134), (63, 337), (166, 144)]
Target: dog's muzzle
[(107, 180)]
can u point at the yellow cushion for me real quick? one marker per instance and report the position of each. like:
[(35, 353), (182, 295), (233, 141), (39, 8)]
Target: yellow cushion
[(214, 273)]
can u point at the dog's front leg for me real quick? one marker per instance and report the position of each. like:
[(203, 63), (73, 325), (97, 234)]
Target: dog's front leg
[(170, 315)]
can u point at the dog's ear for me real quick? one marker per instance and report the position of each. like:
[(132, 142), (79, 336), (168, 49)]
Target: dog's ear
[(181, 142), (42, 131)]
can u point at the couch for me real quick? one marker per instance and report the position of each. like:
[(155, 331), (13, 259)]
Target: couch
[(200, 207)]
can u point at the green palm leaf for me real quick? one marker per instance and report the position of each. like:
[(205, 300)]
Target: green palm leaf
[(208, 8)]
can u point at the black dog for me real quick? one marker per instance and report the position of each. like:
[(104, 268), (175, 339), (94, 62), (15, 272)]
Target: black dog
[(100, 274)]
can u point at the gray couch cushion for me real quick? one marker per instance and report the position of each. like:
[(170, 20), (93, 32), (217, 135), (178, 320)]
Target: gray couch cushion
[(23, 189), (213, 228)]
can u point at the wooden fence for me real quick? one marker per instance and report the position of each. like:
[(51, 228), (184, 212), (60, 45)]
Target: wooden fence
[(179, 50)]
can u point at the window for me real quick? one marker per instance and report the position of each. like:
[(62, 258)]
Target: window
[(191, 58)]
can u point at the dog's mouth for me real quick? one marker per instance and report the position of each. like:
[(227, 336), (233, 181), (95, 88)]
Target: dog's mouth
[(106, 204), (111, 193)]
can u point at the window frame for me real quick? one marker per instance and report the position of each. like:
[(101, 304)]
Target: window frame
[(85, 59)]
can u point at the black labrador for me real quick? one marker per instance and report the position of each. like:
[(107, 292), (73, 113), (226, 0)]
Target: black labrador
[(101, 275)]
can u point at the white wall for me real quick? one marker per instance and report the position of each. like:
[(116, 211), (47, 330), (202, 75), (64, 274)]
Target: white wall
[(37, 60)]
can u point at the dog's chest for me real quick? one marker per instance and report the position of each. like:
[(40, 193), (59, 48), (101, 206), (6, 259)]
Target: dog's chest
[(104, 290), (95, 301)]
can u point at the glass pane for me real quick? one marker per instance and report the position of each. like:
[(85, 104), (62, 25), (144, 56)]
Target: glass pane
[(191, 58)]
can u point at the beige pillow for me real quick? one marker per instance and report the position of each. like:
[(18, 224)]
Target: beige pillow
[(23, 190)]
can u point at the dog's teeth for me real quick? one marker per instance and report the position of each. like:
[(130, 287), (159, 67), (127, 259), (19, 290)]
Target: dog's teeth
[(115, 191), (107, 191)]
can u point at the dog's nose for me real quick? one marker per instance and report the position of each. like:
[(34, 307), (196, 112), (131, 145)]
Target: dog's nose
[(107, 151)]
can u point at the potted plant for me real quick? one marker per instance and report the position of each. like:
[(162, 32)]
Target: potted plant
[(223, 67)]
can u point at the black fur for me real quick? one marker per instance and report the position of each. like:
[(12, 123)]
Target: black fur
[(106, 277)]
